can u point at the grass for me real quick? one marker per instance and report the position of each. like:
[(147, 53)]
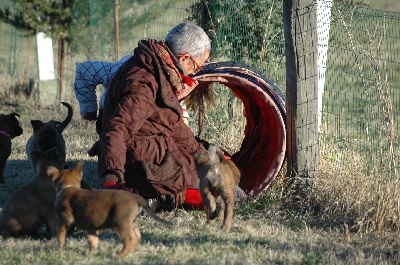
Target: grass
[(335, 225)]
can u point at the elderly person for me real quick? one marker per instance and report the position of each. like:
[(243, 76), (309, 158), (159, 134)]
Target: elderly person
[(145, 146)]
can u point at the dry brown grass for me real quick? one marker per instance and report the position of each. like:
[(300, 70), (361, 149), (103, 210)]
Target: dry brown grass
[(15, 91), (345, 194), (272, 229)]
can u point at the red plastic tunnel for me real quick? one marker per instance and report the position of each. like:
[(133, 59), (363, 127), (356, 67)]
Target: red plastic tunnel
[(262, 152)]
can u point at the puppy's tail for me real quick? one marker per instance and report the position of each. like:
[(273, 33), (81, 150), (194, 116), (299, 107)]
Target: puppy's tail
[(216, 154), (62, 125), (216, 157), (145, 206)]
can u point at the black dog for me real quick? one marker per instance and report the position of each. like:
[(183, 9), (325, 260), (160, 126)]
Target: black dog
[(47, 135), (9, 129)]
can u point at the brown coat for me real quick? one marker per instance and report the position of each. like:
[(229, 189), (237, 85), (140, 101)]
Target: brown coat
[(144, 136)]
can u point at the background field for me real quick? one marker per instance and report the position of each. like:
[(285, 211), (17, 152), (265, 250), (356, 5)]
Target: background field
[(388, 5)]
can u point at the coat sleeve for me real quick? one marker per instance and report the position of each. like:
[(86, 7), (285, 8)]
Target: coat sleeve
[(184, 137), (135, 106)]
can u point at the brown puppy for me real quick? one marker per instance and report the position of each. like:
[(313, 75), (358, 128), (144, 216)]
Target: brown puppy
[(94, 210), (47, 135), (218, 178), (32, 205), (9, 129)]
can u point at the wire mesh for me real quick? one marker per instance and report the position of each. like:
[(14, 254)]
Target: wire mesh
[(361, 98)]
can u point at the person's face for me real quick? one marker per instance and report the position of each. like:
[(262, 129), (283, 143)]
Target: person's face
[(193, 65)]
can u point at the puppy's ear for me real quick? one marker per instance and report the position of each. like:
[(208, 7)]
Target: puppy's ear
[(79, 170), (79, 166), (2, 119), (36, 124), (54, 123), (53, 172), (10, 119)]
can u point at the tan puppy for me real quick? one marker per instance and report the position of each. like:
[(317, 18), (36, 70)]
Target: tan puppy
[(218, 178), (32, 205), (94, 210), (9, 129), (47, 135)]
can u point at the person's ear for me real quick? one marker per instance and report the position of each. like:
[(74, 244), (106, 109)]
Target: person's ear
[(183, 58)]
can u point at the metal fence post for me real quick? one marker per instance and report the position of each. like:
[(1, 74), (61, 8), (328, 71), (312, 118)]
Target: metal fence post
[(116, 7)]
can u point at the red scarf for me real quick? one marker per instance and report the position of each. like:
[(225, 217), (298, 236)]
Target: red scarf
[(188, 80), (182, 84)]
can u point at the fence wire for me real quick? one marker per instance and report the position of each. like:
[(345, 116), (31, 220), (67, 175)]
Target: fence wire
[(361, 96)]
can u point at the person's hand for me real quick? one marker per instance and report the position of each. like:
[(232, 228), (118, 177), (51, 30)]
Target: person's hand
[(113, 185), (112, 181), (90, 116)]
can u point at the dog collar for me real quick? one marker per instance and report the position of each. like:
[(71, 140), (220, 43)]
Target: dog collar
[(5, 133)]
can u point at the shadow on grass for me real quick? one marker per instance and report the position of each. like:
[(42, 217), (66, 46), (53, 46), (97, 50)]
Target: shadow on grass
[(18, 173), (200, 239)]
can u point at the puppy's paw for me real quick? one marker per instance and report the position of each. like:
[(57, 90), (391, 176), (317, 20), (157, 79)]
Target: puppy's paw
[(93, 251), (210, 221)]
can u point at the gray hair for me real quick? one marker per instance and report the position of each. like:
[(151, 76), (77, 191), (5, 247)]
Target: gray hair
[(189, 38)]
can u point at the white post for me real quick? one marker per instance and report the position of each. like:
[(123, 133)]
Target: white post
[(47, 91), (323, 26), (45, 57)]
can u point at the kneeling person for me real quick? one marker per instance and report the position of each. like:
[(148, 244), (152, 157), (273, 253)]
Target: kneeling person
[(144, 144)]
